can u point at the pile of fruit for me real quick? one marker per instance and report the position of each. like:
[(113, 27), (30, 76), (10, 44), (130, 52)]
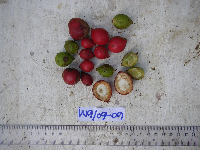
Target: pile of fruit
[(78, 30)]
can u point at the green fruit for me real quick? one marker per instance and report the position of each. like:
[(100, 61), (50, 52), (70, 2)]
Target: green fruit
[(136, 73), (63, 59), (105, 70), (71, 46), (129, 60), (122, 21)]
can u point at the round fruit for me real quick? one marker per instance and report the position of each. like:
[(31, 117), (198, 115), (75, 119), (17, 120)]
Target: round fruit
[(102, 90), (71, 47), (101, 52), (86, 54), (122, 21), (78, 28), (129, 60), (86, 79), (105, 70), (99, 36), (63, 59), (87, 43), (117, 44), (123, 83), (71, 76), (136, 73), (87, 66)]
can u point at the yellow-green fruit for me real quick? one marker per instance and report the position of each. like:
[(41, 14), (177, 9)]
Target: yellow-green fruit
[(63, 59), (136, 73), (129, 60), (71, 47), (105, 70), (122, 21)]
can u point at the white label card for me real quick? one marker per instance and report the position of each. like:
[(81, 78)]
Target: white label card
[(101, 114)]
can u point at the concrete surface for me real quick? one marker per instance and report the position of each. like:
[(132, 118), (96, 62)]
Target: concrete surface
[(165, 34)]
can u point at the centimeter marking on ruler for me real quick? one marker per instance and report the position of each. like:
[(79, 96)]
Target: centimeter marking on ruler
[(113, 135)]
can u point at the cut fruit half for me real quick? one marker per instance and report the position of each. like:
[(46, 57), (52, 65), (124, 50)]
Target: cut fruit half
[(102, 90), (123, 83)]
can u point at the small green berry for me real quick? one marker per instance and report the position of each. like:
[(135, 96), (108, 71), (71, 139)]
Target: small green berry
[(105, 70), (129, 60), (136, 73), (63, 59), (71, 47), (122, 21)]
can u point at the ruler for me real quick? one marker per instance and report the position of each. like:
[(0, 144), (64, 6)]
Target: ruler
[(112, 135)]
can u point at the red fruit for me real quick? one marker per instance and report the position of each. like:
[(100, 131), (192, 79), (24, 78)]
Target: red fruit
[(78, 28), (101, 52), (86, 79), (99, 36), (71, 76), (87, 43), (117, 44), (86, 54), (87, 66)]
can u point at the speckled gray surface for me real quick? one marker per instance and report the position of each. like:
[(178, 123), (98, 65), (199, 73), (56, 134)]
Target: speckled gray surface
[(165, 34)]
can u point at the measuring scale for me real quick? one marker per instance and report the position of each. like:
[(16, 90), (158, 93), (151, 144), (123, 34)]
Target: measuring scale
[(113, 135)]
